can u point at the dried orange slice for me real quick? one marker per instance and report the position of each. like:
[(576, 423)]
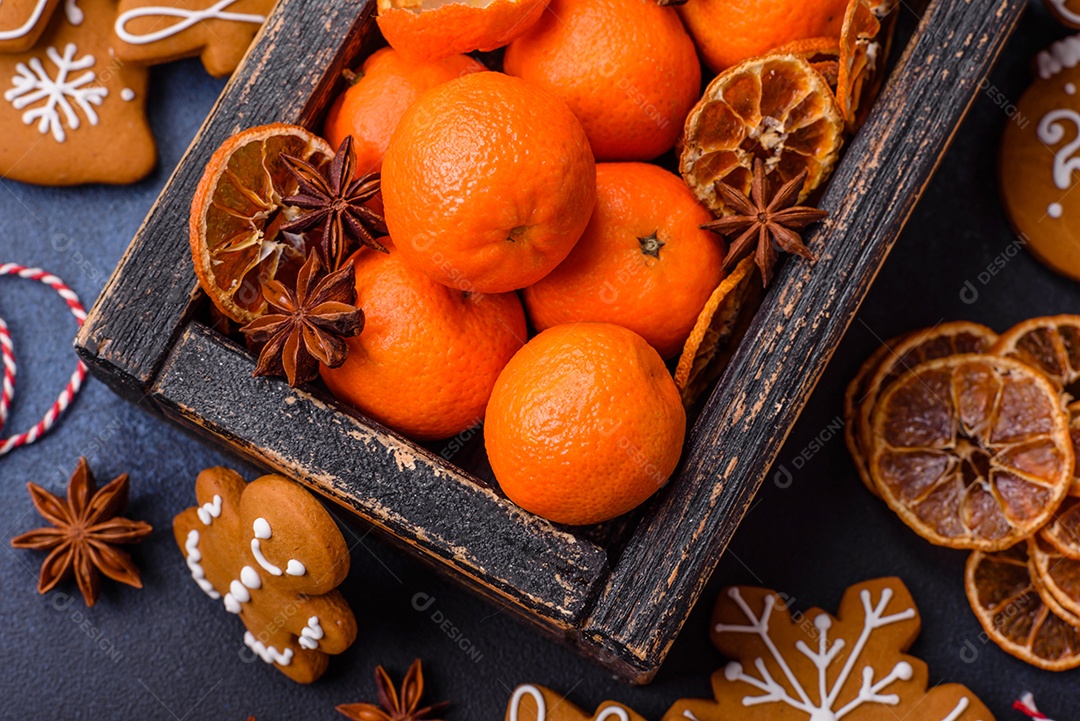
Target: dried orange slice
[(1063, 533), (236, 213), (1048, 596), (699, 365), (1058, 573), (775, 107), (434, 29), (1003, 596), (1051, 344), (859, 57), (972, 451), (857, 391), (942, 340)]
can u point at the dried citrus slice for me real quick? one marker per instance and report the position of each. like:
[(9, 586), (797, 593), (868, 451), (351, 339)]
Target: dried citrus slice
[(859, 57), (1004, 598), (775, 107), (1058, 573), (944, 339), (823, 54), (1047, 595), (857, 391), (1051, 344), (237, 210), (972, 451), (1063, 532), (699, 365), (433, 29)]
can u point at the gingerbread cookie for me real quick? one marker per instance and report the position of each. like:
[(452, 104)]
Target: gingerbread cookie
[(23, 21), (816, 667), (536, 703), (157, 31), (1067, 12), (1040, 154), (273, 555), (71, 113)]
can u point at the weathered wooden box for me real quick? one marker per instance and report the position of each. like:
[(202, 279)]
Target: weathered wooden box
[(620, 592)]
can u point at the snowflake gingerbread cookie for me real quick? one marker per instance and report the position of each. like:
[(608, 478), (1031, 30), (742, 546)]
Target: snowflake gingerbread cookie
[(536, 703), (158, 31), (272, 555), (71, 113), (814, 667)]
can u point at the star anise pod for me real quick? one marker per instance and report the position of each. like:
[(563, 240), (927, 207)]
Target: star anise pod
[(335, 201), (85, 530), (395, 706), (312, 323), (770, 222)]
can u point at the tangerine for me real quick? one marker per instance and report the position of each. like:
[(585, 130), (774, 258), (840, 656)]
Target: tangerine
[(643, 262), (488, 183), (388, 83), (429, 355), (626, 68), (434, 29), (728, 32), (584, 423)]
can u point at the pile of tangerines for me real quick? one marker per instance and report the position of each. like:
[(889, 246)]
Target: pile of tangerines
[(971, 438), (525, 264)]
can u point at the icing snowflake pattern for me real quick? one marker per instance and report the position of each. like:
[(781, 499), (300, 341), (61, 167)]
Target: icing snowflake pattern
[(60, 97)]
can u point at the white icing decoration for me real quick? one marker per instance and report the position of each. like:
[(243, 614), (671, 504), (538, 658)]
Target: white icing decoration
[(312, 633), (127, 95), (1070, 89), (33, 84), (24, 29), (1054, 210), (824, 709), (262, 531), (194, 556), (187, 19), (519, 693), (690, 715), (209, 511), (1067, 15), (1059, 56), (613, 712), (1051, 131), (961, 707), (250, 578), (73, 12), (268, 654)]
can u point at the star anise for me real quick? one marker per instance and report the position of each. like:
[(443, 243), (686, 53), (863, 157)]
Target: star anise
[(336, 201), (85, 530), (770, 222), (395, 706), (312, 323)]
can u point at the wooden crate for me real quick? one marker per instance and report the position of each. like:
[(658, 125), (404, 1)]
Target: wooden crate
[(619, 592)]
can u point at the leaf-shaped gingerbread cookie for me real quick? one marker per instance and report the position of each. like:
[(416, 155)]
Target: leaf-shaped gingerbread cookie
[(70, 112), (272, 555), (158, 31), (814, 667), (536, 703)]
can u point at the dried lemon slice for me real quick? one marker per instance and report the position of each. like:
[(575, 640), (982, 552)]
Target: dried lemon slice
[(699, 365), (237, 210), (972, 451), (775, 107), (942, 340), (1050, 343), (1001, 591)]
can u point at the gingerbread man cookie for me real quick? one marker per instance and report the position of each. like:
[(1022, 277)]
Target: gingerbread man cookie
[(271, 554), (23, 21), (157, 31), (536, 703), (70, 112), (1040, 154), (815, 667)]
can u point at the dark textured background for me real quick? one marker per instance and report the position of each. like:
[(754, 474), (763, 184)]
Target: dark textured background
[(168, 652)]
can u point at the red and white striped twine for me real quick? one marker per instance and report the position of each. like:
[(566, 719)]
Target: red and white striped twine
[(1026, 705), (7, 358)]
